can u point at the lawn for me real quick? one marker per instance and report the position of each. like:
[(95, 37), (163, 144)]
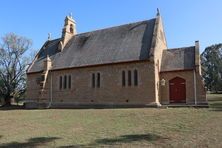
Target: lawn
[(146, 127), (215, 101)]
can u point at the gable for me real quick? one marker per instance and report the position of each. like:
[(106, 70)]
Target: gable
[(124, 43), (50, 48)]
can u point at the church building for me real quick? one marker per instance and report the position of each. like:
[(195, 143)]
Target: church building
[(123, 66)]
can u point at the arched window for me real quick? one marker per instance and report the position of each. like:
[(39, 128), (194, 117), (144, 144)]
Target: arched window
[(71, 28), (123, 78), (93, 80), (135, 78), (98, 80), (60, 82)]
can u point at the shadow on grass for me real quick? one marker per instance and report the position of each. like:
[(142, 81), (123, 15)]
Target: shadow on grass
[(124, 139), (12, 107), (129, 139), (33, 142)]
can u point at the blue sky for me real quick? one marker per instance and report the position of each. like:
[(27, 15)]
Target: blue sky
[(185, 21)]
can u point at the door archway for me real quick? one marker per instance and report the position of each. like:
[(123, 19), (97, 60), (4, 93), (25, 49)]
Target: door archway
[(177, 90)]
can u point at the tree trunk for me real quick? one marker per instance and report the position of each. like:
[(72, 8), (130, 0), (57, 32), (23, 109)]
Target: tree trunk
[(7, 101)]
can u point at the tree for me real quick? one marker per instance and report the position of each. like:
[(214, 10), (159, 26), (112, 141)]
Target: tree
[(13, 63), (1, 85), (212, 67)]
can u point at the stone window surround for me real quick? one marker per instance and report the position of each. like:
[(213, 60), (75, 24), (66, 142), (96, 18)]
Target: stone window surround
[(95, 79), (65, 82), (130, 78)]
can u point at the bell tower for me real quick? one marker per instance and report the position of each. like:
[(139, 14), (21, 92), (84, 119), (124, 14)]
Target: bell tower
[(68, 31)]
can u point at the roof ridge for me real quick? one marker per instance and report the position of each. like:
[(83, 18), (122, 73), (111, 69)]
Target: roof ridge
[(128, 42), (113, 27), (53, 40), (180, 48)]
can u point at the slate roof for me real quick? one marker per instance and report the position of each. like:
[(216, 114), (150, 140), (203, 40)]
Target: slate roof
[(130, 42), (49, 48), (178, 59)]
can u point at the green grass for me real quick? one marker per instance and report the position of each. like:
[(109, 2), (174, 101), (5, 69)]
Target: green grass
[(147, 127), (215, 101)]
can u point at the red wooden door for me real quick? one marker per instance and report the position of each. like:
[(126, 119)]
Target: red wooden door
[(177, 90)]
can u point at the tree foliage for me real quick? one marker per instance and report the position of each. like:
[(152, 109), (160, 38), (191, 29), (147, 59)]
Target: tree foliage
[(13, 64), (212, 67)]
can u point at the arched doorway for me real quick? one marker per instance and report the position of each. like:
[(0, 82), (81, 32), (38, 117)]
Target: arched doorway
[(177, 87)]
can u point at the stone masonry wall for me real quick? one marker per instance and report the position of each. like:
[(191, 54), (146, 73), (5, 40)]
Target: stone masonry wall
[(160, 45), (189, 77), (110, 92)]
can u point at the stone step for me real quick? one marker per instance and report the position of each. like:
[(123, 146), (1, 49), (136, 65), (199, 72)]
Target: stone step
[(186, 105)]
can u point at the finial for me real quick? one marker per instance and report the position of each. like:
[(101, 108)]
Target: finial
[(49, 36), (70, 14), (158, 12)]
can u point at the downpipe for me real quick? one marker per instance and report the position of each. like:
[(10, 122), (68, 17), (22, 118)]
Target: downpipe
[(50, 102), (195, 86)]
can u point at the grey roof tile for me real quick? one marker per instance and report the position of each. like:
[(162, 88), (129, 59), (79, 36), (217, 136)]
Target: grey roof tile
[(178, 59), (124, 43)]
